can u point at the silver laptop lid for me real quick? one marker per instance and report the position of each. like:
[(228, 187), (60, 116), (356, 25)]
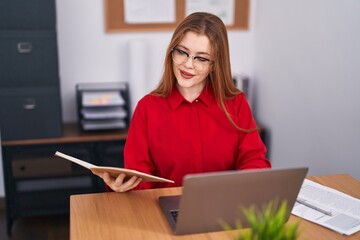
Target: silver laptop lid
[(209, 197)]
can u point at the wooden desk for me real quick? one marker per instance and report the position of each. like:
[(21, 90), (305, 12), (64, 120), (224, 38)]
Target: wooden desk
[(136, 215)]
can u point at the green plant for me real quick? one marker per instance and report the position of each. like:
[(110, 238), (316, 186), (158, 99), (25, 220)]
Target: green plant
[(268, 224)]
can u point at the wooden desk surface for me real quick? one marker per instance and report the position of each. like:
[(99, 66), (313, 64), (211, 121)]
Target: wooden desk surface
[(137, 215)]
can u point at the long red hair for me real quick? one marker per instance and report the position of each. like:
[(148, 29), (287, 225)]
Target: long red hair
[(220, 75)]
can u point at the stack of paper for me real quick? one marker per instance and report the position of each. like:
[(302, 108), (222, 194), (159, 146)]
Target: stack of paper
[(115, 112), (103, 106), (99, 99), (328, 207), (104, 124)]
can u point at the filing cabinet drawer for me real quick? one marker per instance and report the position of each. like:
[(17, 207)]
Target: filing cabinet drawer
[(30, 113), (27, 14), (28, 58)]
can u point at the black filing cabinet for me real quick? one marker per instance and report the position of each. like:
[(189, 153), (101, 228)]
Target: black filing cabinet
[(30, 105)]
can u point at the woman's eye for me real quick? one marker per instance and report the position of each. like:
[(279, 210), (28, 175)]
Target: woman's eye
[(182, 52), (201, 59)]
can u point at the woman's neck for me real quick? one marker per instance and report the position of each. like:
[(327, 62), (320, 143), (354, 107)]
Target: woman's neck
[(191, 93)]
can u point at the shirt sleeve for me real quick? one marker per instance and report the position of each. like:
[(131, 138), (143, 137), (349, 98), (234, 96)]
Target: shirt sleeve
[(251, 149), (136, 151)]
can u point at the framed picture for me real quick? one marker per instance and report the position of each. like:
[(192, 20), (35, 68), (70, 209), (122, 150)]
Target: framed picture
[(165, 15)]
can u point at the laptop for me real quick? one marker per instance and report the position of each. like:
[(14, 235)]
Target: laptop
[(208, 198)]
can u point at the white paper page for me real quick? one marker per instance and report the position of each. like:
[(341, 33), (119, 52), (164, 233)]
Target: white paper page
[(224, 9), (116, 112), (103, 124), (106, 98), (145, 11), (345, 210), (75, 160)]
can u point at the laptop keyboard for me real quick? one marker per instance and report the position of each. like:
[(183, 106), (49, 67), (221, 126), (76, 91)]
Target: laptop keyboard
[(174, 214)]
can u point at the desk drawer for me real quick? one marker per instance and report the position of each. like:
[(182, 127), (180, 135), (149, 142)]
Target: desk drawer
[(42, 163), (40, 166), (84, 182)]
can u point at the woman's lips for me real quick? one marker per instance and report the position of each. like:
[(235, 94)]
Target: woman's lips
[(186, 74)]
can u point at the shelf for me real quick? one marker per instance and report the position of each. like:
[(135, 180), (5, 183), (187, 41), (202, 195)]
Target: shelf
[(72, 134)]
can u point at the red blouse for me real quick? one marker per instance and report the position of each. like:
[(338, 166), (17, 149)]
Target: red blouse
[(170, 137)]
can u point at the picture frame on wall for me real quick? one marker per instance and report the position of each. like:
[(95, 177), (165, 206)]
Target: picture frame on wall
[(165, 15)]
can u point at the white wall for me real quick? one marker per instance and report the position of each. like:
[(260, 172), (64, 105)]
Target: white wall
[(88, 54), (307, 72)]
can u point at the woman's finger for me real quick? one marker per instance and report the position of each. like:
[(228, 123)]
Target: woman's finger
[(129, 184), (118, 184)]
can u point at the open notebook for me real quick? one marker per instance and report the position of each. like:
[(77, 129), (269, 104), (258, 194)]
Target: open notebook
[(113, 171)]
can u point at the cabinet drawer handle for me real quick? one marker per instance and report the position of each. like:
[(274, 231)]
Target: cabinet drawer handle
[(29, 104), (24, 47)]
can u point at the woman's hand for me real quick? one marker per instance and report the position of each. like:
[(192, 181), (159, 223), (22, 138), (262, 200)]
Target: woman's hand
[(118, 184)]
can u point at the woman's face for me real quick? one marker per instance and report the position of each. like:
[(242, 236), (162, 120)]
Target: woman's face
[(191, 73)]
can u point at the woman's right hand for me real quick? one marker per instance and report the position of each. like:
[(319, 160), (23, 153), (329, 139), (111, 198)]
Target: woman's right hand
[(118, 184)]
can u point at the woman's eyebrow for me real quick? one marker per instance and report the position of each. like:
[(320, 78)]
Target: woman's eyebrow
[(186, 49)]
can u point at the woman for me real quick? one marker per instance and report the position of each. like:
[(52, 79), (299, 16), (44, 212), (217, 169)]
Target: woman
[(196, 120)]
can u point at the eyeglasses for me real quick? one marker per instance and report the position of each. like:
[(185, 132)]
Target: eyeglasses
[(180, 57)]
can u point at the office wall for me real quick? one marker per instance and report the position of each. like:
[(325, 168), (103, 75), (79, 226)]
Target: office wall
[(307, 72), (88, 54)]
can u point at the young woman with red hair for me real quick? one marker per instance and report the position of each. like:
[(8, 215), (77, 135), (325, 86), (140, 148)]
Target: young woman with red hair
[(196, 120)]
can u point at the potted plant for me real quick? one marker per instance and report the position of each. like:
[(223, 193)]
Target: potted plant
[(268, 224)]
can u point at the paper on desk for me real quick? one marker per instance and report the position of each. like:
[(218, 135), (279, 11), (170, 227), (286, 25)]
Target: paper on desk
[(345, 209), (104, 113), (103, 124), (101, 99)]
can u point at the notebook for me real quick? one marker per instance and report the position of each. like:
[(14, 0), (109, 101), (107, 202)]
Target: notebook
[(208, 198)]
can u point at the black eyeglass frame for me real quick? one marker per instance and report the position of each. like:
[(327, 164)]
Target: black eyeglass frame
[(194, 58)]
